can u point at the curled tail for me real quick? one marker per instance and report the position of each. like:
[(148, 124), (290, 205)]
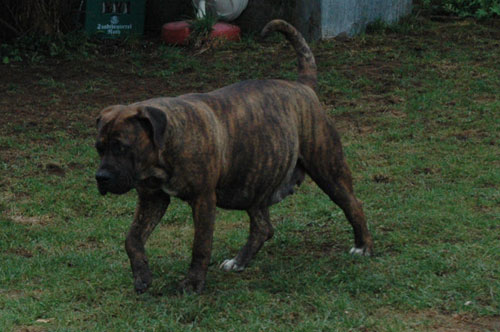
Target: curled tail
[(307, 64)]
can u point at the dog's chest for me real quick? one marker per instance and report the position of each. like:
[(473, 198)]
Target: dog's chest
[(168, 190)]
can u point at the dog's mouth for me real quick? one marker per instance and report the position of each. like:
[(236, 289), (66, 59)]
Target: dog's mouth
[(102, 190), (113, 184), (117, 190)]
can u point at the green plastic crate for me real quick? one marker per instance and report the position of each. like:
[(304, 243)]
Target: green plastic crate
[(115, 19)]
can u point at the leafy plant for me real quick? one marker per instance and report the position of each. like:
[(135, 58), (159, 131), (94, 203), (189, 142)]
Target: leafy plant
[(40, 17), (9, 54), (464, 8), (35, 48), (201, 28)]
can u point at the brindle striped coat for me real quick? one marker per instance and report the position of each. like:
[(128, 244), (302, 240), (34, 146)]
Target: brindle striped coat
[(245, 146)]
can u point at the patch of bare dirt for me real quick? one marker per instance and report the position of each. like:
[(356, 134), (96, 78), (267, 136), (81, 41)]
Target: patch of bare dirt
[(20, 251), (51, 96), (433, 321), (426, 170), (55, 169), (381, 178), (30, 329), (26, 220), (11, 293), (460, 323)]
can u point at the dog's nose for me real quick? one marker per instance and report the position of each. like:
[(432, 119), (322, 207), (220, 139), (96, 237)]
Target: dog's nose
[(103, 176)]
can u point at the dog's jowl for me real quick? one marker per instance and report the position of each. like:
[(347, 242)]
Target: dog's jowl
[(245, 146)]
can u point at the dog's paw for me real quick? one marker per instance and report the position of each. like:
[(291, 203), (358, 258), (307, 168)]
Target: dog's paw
[(142, 284), (230, 265), (192, 286), (364, 251)]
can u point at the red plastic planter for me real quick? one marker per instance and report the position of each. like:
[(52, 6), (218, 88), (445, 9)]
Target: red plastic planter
[(175, 32), (227, 31), (178, 32)]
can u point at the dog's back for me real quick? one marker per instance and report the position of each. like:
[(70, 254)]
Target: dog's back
[(259, 125)]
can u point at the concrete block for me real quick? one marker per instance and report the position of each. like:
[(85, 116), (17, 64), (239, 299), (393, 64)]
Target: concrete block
[(318, 19), (350, 17)]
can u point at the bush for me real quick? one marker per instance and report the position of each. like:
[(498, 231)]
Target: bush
[(463, 8), (36, 48), (38, 17)]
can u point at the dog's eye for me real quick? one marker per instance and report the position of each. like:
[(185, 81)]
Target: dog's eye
[(99, 147), (117, 148)]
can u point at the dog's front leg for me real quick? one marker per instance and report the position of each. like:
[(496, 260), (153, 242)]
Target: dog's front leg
[(150, 209), (204, 217)]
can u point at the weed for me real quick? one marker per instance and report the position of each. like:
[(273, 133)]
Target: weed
[(201, 28), (36, 48), (464, 8), (200, 38), (50, 83)]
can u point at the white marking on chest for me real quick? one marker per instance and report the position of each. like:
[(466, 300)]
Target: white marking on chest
[(168, 191)]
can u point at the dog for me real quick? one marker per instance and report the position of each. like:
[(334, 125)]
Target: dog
[(245, 146)]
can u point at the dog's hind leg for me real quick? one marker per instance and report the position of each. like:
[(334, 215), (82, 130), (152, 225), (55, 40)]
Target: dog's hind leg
[(336, 182), (261, 230)]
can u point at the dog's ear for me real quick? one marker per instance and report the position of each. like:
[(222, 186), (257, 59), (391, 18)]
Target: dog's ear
[(102, 114), (155, 121)]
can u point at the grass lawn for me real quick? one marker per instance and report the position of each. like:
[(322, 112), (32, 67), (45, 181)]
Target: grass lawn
[(418, 108)]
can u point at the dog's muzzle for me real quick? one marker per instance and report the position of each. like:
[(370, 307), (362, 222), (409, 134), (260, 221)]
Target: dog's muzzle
[(113, 182), (104, 180)]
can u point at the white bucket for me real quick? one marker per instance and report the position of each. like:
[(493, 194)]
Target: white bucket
[(227, 10)]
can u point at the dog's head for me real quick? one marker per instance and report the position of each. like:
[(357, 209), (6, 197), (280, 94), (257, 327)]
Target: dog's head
[(128, 142)]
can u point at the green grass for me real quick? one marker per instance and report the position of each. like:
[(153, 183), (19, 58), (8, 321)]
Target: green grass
[(418, 109)]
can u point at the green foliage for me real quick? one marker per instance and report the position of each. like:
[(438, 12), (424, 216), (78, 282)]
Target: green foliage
[(37, 17), (9, 54), (203, 25), (377, 26), (409, 25), (201, 28), (464, 8), (36, 48)]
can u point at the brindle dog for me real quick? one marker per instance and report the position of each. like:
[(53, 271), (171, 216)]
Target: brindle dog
[(245, 146)]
